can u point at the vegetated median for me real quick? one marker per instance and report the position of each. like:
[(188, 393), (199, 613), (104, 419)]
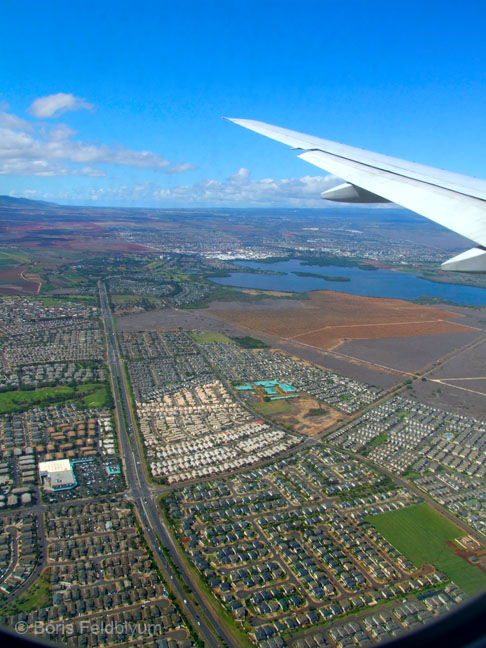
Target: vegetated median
[(221, 612), (425, 536)]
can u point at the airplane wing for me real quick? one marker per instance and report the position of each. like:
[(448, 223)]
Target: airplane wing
[(455, 201)]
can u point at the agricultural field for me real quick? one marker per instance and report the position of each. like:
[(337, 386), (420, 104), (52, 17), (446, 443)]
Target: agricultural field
[(16, 279), (426, 537)]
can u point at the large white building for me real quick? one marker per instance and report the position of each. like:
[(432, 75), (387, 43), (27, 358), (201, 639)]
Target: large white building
[(57, 475)]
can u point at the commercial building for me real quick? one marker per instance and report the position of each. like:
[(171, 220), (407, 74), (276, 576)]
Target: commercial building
[(57, 475)]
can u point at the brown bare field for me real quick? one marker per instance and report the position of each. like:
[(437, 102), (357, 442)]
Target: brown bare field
[(12, 274), (271, 293), (335, 336), (21, 283), (300, 421), (327, 318)]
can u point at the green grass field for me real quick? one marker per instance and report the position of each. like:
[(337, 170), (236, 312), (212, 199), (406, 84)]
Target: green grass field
[(97, 394), (273, 407), (37, 596), (211, 337), (89, 395), (16, 401), (421, 534), (248, 342)]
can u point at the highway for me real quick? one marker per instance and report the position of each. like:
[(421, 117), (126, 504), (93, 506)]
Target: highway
[(195, 606)]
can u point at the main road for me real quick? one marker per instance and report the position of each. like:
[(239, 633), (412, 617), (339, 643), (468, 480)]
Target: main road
[(203, 618)]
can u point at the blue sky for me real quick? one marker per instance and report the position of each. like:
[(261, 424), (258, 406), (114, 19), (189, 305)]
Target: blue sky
[(113, 103)]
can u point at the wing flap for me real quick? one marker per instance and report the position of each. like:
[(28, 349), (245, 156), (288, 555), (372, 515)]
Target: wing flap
[(462, 214), (452, 200)]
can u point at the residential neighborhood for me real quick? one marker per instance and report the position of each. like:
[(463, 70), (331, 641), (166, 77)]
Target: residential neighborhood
[(291, 534), (283, 556)]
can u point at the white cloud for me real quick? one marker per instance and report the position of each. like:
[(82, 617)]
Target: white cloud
[(60, 132), (240, 176), (268, 192), (8, 120), (239, 189), (94, 173), (25, 150), (179, 168), (45, 168), (56, 104)]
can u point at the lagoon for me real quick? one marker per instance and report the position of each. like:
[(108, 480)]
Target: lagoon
[(377, 283)]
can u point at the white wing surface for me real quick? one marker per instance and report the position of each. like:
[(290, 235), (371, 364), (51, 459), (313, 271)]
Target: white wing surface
[(452, 200)]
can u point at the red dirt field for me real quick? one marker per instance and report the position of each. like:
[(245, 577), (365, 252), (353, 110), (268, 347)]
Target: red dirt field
[(332, 336), (19, 284), (73, 235), (477, 556), (101, 246), (12, 274), (81, 244), (328, 318)]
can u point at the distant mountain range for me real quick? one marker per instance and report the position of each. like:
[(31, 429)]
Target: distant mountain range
[(39, 209), (23, 203)]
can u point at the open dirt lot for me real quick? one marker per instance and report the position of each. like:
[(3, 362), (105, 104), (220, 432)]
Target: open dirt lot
[(471, 363), (300, 421), (346, 365), (328, 318), (270, 293), (382, 361), (305, 414), (469, 401), (171, 318), (408, 354)]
